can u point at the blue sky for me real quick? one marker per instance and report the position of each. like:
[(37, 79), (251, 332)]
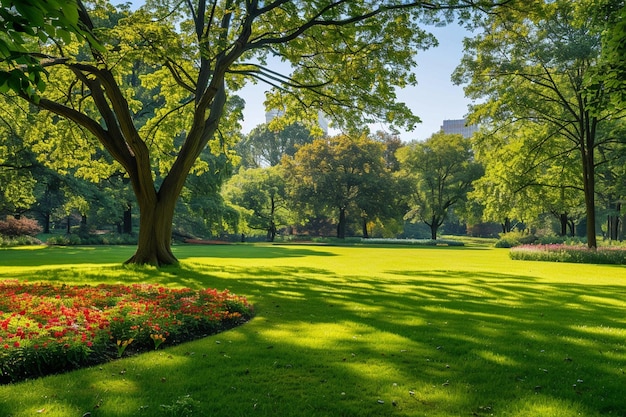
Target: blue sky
[(434, 99)]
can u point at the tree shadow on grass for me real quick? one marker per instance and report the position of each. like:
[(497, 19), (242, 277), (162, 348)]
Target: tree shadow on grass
[(98, 255), (452, 342), (60, 255), (268, 251)]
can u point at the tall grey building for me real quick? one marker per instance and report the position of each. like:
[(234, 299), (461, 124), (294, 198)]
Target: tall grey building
[(459, 126)]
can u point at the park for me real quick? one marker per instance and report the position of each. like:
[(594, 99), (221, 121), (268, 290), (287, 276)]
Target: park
[(354, 331), (157, 260)]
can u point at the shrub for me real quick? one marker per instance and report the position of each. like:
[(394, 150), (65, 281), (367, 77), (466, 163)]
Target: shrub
[(12, 227), (64, 240), (613, 255), (512, 239), (555, 240), (19, 241), (106, 239)]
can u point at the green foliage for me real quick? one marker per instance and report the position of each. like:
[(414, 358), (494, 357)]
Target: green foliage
[(528, 68), (413, 242), (442, 170), (341, 176), (261, 195), (23, 23), (19, 241), (101, 239), (183, 407), (610, 19), (265, 147), (514, 238), (525, 175)]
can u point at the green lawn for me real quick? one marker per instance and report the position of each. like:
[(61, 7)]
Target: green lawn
[(355, 331)]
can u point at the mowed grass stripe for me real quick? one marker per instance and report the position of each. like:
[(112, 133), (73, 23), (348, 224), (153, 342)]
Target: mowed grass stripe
[(356, 331)]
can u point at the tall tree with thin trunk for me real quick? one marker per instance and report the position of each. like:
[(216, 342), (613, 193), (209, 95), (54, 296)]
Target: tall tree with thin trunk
[(532, 67)]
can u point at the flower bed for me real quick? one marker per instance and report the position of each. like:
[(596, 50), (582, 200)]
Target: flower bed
[(614, 255), (48, 329)]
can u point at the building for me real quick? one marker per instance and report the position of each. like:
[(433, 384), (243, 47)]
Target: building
[(459, 126)]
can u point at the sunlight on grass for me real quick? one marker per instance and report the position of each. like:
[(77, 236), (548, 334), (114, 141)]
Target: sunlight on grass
[(542, 406), (497, 359), (356, 331), (26, 248)]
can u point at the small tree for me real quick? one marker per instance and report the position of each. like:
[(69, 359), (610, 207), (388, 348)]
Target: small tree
[(262, 193)]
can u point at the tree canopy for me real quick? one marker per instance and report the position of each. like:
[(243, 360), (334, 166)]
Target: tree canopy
[(346, 58), (442, 170), (339, 176), (530, 66)]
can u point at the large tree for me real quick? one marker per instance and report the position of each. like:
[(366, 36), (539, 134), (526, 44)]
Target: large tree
[(343, 57), (442, 169), (531, 66), (526, 176), (339, 175)]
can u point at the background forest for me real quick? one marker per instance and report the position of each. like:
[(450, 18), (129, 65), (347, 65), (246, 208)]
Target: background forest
[(549, 158)]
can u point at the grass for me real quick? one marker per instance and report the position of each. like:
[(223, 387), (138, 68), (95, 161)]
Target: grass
[(355, 331)]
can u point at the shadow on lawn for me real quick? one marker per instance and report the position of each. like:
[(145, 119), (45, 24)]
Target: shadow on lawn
[(80, 255), (481, 332), (267, 251), (473, 343)]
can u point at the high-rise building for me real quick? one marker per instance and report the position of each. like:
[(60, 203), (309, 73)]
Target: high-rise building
[(459, 126)]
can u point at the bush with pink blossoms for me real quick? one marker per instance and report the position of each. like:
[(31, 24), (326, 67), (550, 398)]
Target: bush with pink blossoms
[(613, 255)]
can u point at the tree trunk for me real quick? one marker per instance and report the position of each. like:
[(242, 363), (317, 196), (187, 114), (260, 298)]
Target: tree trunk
[(563, 219), (572, 228), (365, 233), (341, 226), (127, 227), (587, 149), (433, 230), (46, 223), (590, 208), (83, 229), (271, 232), (506, 226), (613, 221), (69, 224), (155, 232), (612, 226)]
